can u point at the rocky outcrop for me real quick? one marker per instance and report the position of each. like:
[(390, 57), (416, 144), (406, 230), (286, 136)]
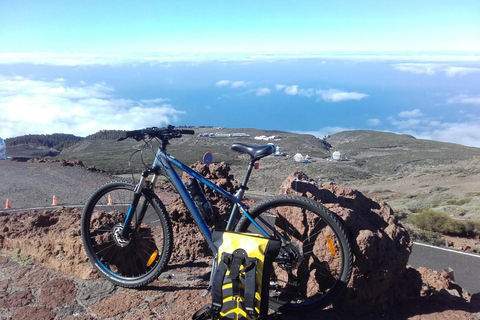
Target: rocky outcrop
[(188, 242), (48, 238), (380, 244)]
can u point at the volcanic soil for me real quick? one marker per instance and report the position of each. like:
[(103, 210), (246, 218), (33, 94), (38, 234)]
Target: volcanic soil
[(45, 274)]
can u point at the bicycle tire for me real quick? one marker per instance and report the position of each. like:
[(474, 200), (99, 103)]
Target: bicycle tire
[(320, 257), (139, 259)]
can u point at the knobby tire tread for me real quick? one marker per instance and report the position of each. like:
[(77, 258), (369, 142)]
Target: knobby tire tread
[(334, 220), (166, 228)]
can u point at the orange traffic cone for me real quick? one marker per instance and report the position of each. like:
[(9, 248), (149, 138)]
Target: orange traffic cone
[(7, 205), (54, 201), (110, 201)]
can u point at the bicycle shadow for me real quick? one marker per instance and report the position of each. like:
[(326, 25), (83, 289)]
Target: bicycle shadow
[(182, 276)]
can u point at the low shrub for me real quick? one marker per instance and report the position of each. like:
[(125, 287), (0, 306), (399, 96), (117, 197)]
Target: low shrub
[(429, 237), (430, 220), (459, 202), (22, 259), (436, 221), (401, 213), (438, 189)]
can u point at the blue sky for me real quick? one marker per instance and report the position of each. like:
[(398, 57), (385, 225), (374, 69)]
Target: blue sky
[(311, 66), (238, 26)]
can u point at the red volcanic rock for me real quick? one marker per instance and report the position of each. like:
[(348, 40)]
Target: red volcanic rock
[(115, 305), (57, 292), (380, 244)]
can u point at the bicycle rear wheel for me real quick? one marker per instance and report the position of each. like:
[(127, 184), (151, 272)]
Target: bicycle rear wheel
[(315, 263), (140, 256)]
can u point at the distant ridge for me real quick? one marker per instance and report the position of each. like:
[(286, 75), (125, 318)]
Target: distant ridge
[(388, 153), (56, 141), (366, 152), (39, 145)]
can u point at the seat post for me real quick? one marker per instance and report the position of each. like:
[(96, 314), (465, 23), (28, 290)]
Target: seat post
[(243, 186), (239, 195)]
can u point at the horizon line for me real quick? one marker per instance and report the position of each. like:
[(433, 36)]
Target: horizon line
[(108, 58)]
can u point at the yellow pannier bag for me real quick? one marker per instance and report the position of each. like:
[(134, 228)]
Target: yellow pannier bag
[(240, 287)]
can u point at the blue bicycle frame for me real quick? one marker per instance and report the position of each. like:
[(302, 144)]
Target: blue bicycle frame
[(163, 163)]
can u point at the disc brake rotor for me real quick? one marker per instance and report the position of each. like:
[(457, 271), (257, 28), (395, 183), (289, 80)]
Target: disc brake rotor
[(119, 239), (295, 257)]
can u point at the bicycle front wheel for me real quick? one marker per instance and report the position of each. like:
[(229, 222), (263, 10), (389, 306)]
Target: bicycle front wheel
[(315, 263), (138, 257)]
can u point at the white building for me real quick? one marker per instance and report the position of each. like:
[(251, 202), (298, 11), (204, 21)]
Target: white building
[(279, 151), (224, 135), (300, 158), (267, 138)]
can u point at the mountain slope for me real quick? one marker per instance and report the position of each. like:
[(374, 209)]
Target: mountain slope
[(390, 153)]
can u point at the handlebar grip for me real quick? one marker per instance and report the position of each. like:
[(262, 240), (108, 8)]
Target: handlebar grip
[(187, 131), (132, 134), (170, 131)]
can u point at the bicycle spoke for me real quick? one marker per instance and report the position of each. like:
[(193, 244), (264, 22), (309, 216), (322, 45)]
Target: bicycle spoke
[(125, 258), (110, 246), (314, 260)]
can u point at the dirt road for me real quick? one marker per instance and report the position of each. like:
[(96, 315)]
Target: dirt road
[(33, 185)]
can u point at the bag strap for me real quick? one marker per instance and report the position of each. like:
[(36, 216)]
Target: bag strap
[(232, 263), (223, 266), (238, 258), (250, 285)]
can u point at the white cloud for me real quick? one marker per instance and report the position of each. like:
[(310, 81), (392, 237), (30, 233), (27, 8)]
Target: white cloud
[(262, 91), (323, 132), (239, 84), (232, 84), (39, 106), (460, 71), (465, 133), (223, 83), (374, 122), (418, 68), (291, 90), (69, 59), (331, 95), (307, 92), (280, 87), (334, 95), (154, 101), (435, 68), (410, 113), (464, 99), (409, 124)]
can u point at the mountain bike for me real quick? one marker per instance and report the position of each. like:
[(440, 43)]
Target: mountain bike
[(128, 237)]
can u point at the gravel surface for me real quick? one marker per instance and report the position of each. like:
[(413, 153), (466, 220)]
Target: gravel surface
[(33, 184)]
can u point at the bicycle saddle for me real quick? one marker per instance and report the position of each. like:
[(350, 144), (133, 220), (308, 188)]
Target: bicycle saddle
[(256, 152)]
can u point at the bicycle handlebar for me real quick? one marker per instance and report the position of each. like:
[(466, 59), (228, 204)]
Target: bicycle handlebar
[(161, 133)]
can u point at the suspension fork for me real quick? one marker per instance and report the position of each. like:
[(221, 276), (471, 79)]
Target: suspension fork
[(137, 195)]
